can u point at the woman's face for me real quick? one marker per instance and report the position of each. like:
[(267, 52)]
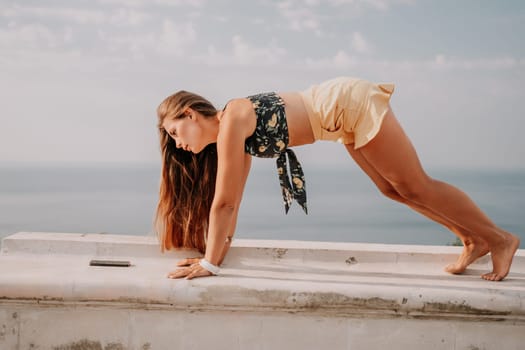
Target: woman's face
[(187, 131)]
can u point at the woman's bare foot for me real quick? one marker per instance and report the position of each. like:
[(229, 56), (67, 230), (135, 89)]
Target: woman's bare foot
[(502, 255), (472, 250)]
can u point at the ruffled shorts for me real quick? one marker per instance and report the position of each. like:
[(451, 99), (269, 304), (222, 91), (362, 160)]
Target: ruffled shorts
[(347, 110)]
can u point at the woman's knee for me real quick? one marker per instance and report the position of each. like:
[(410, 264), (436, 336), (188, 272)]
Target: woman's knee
[(414, 190), (390, 192)]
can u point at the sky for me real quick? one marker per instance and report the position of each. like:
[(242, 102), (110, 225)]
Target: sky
[(80, 80)]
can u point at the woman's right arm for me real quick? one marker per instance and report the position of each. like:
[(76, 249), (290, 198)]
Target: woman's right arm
[(236, 125), (247, 165), (232, 171), (233, 224)]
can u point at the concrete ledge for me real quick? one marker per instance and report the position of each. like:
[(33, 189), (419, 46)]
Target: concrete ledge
[(291, 276), (273, 279)]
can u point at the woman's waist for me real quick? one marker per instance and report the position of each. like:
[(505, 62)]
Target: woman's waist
[(300, 130)]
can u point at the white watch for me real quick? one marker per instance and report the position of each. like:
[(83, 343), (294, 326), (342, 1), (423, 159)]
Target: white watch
[(214, 269)]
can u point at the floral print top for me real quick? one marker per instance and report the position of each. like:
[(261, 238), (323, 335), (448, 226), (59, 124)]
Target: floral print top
[(270, 140)]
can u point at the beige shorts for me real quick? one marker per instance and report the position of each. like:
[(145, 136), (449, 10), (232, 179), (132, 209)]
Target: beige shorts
[(347, 110)]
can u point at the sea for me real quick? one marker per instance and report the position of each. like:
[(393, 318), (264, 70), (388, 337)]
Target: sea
[(343, 204)]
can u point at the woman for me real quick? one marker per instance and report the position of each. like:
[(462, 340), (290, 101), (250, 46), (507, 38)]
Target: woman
[(207, 154)]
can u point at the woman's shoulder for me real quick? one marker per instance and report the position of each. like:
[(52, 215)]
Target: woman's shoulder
[(238, 107), (238, 102), (239, 111)]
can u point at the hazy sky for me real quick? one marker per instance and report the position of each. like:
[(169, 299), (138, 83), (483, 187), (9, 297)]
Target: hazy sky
[(80, 80)]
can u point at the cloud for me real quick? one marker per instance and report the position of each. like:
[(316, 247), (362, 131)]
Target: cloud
[(300, 18), (340, 60), (359, 43), (147, 3), (41, 47), (243, 53), (137, 45), (175, 38), (304, 15), (128, 17), (172, 39), (381, 5), (258, 21), (28, 36), (62, 14), (117, 17), (312, 2), (497, 63)]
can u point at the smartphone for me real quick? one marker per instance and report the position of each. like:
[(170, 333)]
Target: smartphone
[(117, 263)]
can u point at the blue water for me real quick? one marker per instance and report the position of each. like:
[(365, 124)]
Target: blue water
[(343, 203)]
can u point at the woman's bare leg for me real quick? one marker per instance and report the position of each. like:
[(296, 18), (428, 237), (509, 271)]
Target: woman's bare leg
[(473, 247), (392, 155)]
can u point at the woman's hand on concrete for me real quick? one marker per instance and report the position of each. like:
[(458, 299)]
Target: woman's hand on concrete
[(190, 268)]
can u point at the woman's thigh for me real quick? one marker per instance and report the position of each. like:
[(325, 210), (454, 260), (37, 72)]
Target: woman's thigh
[(382, 184), (393, 156)]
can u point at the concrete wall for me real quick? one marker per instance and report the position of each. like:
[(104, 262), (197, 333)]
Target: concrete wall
[(271, 295)]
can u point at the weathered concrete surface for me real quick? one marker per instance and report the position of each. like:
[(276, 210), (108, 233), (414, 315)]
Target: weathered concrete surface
[(271, 295)]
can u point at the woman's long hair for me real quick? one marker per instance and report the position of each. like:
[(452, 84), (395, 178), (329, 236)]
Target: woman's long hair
[(187, 183)]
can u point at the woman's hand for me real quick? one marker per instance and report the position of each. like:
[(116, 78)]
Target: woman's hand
[(190, 269)]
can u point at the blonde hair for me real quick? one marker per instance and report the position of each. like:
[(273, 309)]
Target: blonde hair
[(187, 183)]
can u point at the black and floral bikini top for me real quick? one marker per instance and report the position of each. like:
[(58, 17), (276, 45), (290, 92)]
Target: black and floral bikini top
[(270, 140)]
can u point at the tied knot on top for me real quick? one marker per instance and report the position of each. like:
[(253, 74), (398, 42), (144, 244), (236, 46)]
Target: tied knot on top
[(294, 189)]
